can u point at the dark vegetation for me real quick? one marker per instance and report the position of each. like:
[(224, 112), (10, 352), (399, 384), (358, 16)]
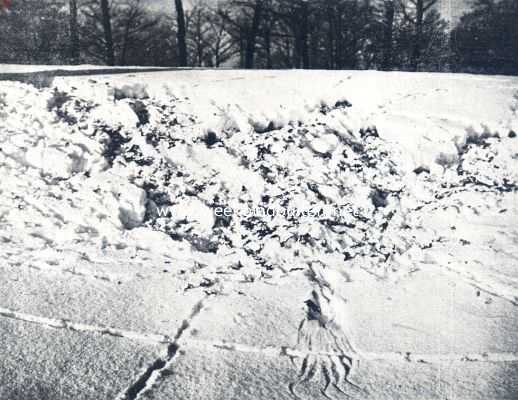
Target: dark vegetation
[(328, 34)]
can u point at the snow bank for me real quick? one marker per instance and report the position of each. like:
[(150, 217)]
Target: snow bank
[(119, 163)]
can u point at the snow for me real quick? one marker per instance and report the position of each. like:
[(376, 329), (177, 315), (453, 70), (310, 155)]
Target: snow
[(28, 68), (75, 354), (378, 182)]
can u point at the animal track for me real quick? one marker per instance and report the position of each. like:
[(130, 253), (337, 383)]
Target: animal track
[(335, 371), (320, 332)]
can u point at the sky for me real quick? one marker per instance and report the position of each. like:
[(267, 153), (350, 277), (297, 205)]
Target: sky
[(452, 10)]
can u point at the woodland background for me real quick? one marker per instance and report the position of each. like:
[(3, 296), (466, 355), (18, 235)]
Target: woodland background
[(268, 34)]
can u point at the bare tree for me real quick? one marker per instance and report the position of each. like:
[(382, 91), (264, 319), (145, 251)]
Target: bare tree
[(295, 16), (388, 33), (33, 32), (198, 34), (222, 46), (486, 38), (133, 33), (244, 19), (252, 34), (267, 33), (135, 23), (74, 32), (415, 11), (208, 41), (107, 28), (181, 34)]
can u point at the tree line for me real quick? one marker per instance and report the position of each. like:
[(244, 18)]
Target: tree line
[(486, 39), (328, 34)]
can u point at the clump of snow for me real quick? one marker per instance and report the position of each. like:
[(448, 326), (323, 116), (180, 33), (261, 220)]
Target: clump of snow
[(135, 91), (324, 145), (193, 213)]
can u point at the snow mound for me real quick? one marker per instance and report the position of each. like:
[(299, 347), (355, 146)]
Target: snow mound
[(110, 168)]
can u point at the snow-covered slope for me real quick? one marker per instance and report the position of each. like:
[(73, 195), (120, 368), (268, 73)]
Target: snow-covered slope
[(231, 176), (147, 163)]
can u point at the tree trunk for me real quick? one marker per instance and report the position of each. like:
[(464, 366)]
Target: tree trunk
[(416, 51), (252, 35), (288, 53), (74, 33), (339, 42), (242, 47), (386, 63), (304, 35), (297, 50), (313, 52), (199, 39), (181, 36), (268, 48), (125, 42), (108, 37), (331, 62)]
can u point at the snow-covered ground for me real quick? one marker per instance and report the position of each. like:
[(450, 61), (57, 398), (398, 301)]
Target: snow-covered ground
[(281, 234)]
